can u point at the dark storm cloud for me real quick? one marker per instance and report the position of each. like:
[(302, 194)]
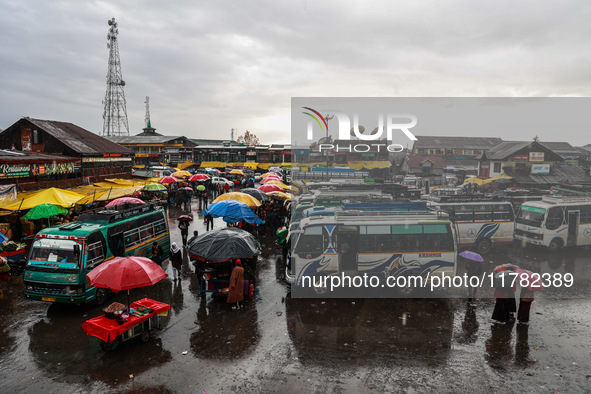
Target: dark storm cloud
[(212, 66)]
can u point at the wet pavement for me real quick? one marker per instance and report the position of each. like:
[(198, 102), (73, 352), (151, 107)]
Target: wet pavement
[(280, 344)]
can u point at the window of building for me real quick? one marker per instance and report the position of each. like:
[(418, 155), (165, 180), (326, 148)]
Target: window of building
[(497, 167)]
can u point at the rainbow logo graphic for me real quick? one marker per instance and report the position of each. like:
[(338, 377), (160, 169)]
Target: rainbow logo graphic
[(318, 118)]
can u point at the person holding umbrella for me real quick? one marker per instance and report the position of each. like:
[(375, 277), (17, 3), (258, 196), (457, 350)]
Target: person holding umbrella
[(473, 268), (236, 292), (176, 259), (526, 296), (184, 227)]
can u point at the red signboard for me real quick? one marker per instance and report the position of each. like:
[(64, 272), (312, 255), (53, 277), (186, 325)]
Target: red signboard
[(520, 158)]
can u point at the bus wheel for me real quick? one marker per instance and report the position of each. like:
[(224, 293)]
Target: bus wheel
[(484, 246), (100, 297), (145, 336), (555, 245), (320, 289)]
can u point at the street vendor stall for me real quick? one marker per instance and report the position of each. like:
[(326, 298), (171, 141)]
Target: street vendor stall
[(143, 316), (214, 253), (121, 323)]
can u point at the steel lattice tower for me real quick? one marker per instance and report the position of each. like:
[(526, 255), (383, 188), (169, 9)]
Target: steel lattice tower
[(115, 113)]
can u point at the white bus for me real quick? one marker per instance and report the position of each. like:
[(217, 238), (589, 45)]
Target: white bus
[(377, 243), (482, 222), (555, 222)]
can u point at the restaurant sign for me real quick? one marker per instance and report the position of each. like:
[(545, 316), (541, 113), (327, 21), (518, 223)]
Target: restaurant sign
[(29, 169)]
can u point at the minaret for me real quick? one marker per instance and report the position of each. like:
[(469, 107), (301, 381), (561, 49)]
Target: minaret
[(148, 129), (115, 112)]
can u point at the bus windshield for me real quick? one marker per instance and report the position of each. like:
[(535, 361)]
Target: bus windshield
[(55, 251), (531, 216)]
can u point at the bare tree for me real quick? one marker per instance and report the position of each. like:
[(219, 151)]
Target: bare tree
[(248, 139)]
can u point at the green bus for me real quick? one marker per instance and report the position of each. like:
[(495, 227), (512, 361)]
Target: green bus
[(61, 256)]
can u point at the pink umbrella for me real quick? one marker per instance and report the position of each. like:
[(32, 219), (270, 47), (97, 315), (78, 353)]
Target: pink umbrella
[(271, 178), (505, 267), (123, 201), (199, 177), (533, 280), (270, 188), (168, 179)]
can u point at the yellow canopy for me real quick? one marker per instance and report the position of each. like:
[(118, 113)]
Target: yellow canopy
[(266, 174), (477, 181), (212, 164), (107, 194), (243, 197), (369, 165), (55, 196), (186, 164), (237, 172), (496, 178)]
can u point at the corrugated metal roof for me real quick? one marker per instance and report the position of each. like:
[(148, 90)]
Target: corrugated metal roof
[(417, 161), (507, 149), (560, 148), (78, 139), (478, 143), (144, 139), (560, 173), (11, 156)]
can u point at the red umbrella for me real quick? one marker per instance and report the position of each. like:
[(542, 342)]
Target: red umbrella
[(533, 280), (124, 200), (125, 273), (199, 177), (505, 267), (168, 179), (270, 188)]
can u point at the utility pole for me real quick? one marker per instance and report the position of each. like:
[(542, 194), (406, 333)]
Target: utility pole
[(327, 117), (115, 112)]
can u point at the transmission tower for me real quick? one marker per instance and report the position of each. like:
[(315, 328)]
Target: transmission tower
[(115, 113)]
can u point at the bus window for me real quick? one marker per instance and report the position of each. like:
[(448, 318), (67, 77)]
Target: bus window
[(464, 213), (586, 214), (555, 218), (503, 213), (312, 243), (95, 255)]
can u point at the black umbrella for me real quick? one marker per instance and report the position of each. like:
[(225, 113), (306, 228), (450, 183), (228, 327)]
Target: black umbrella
[(256, 193), (223, 244)]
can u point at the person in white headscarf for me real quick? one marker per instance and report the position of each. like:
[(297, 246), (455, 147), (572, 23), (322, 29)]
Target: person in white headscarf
[(176, 259)]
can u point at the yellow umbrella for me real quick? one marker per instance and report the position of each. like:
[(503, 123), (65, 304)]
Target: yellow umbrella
[(237, 172), (182, 174), (286, 196), (280, 184), (243, 197)]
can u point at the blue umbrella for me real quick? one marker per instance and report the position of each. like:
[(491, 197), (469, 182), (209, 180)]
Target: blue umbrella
[(232, 211)]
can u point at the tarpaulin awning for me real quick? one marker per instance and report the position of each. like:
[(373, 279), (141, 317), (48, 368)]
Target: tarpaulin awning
[(212, 164), (369, 165), (55, 196), (106, 194), (187, 164), (477, 181), (496, 178)]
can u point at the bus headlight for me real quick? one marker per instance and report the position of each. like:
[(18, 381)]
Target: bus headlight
[(73, 278)]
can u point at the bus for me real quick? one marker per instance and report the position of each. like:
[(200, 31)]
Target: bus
[(61, 256), (377, 243), (555, 222), (483, 222)]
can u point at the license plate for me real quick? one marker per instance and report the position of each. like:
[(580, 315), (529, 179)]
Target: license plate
[(50, 299)]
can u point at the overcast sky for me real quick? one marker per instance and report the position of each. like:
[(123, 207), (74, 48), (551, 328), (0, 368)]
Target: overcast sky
[(210, 66)]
